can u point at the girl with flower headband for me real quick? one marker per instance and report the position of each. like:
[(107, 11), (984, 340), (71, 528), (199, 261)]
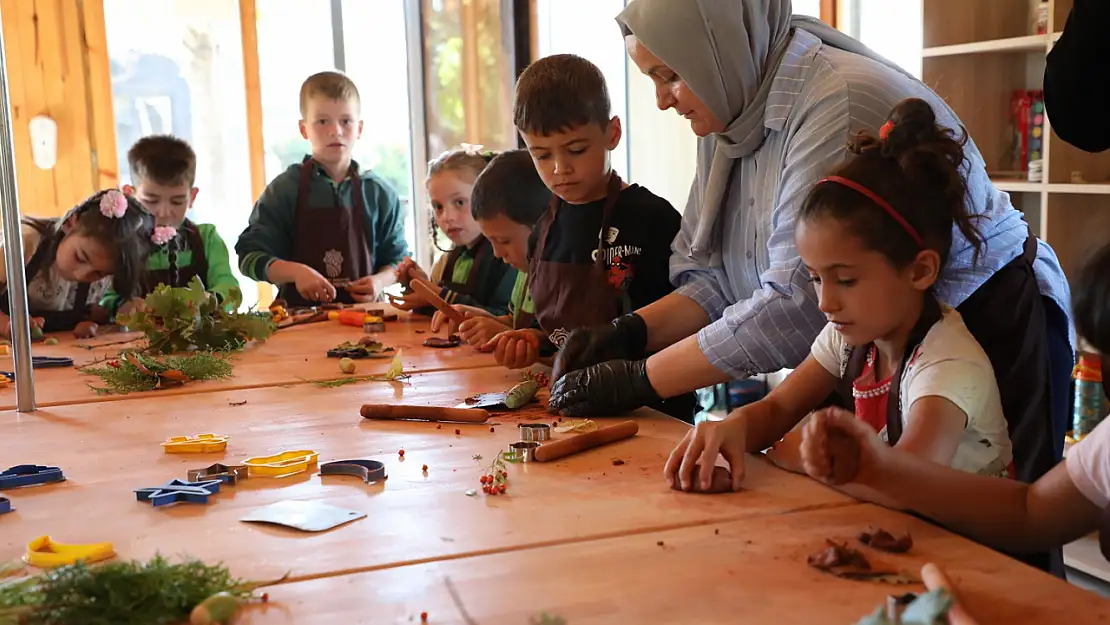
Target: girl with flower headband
[(68, 260), (469, 274), (874, 236)]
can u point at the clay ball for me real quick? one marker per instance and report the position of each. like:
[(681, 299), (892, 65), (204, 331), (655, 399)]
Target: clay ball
[(346, 365)]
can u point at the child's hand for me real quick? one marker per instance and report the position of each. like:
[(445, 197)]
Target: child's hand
[(699, 449), (787, 453), (515, 349), (313, 286), (363, 290), (408, 301), (86, 330), (408, 269), (6, 325), (480, 330), (439, 319), (838, 448)]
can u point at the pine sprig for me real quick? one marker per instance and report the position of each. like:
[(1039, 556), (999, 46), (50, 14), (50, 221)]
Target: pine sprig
[(136, 372), (158, 592)]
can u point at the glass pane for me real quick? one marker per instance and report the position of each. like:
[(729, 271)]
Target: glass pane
[(177, 67), (588, 28), (376, 53), (808, 7), (284, 27), (901, 45), (469, 75)]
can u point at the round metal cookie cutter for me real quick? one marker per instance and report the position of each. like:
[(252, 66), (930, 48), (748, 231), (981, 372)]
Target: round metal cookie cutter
[(534, 432), (524, 450)]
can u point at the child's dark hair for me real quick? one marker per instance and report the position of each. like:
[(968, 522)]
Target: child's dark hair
[(915, 168), (128, 238), (162, 159), (460, 160), (558, 93), (510, 186), (1091, 302)]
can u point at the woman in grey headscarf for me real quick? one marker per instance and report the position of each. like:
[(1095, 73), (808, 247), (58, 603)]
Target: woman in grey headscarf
[(774, 100)]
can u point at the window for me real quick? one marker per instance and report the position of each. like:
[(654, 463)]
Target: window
[(872, 22), (808, 7), (177, 67)]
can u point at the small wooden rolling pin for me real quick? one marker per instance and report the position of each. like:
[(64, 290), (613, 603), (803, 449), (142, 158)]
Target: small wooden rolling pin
[(567, 446), (431, 296), (424, 413)]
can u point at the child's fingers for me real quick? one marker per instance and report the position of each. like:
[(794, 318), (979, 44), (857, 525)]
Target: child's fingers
[(437, 321)]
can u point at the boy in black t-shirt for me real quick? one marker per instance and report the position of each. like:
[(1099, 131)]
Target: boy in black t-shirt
[(603, 247)]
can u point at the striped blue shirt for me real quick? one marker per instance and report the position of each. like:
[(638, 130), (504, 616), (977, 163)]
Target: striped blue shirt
[(762, 307)]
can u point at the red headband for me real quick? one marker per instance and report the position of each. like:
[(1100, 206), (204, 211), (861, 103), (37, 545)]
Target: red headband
[(871, 195)]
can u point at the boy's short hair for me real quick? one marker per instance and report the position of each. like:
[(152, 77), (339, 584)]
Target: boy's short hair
[(331, 84), (1091, 301), (510, 186), (558, 93), (162, 159)]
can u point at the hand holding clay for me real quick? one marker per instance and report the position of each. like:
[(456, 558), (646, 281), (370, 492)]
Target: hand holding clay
[(313, 286), (478, 331), (363, 290), (721, 482), (441, 320), (838, 448), (700, 448), (515, 349)]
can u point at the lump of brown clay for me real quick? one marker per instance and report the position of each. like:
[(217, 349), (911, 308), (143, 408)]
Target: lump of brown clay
[(435, 341), (878, 538), (86, 330), (721, 483), (838, 555)]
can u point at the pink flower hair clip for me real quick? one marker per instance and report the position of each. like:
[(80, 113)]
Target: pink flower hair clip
[(113, 205), (471, 148), (163, 234)]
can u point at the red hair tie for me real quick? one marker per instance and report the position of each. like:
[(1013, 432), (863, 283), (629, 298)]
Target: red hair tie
[(885, 130), (871, 195)]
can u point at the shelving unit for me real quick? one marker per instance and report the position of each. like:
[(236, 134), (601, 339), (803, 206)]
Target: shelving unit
[(977, 52)]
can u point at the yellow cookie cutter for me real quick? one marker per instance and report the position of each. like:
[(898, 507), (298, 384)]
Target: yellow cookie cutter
[(284, 464), (47, 554), (199, 444)]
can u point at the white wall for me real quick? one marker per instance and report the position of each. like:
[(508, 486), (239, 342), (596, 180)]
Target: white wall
[(663, 149)]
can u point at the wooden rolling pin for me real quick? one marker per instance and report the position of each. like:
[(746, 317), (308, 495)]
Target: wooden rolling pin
[(567, 446), (431, 295), (424, 413)]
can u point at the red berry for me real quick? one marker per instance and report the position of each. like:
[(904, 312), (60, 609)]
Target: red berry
[(265, 597), (439, 426), (401, 452), (502, 488), (457, 432), (489, 478), (554, 424), (483, 479), (485, 489), (493, 490), (424, 468), (423, 617)]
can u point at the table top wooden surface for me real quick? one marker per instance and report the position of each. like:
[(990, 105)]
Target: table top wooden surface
[(746, 571), (108, 449), (291, 356)]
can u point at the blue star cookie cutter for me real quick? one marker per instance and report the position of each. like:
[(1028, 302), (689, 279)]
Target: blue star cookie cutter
[(175, 491), (30, 475), (5, 505), (368, 470)]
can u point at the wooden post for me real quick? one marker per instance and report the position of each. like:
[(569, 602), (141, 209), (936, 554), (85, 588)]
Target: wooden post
[(248, 23)]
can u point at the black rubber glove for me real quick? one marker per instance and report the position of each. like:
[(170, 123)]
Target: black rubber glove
[(624, 339), (605, 389)]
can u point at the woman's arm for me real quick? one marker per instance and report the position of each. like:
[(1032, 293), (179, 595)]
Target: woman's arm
[(671, 319)]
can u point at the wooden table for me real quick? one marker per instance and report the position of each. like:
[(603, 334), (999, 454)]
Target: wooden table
[(746, 571), (108, 449), (291, 356)]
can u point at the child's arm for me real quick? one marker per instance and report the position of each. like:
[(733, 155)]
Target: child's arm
[(220, 280), (749, 429), (1005, 514)]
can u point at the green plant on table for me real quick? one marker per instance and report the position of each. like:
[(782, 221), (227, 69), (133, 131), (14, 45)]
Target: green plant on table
[(176, 319), (134, 371)]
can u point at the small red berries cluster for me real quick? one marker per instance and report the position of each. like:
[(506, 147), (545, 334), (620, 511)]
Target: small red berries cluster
[(539, 377), (495, 483), (401, 453)]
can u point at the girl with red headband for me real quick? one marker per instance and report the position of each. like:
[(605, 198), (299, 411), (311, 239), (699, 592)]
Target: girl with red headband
[(874, 237)]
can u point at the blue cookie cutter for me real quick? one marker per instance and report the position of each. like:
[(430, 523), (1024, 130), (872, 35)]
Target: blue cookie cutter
[(368, 470), (175, 491), (5, 505), (30, 475)]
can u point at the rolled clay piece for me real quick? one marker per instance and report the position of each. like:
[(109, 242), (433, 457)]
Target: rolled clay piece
[(86, 330), (435, 341), (424, 413), (722, 482), (567, 446)]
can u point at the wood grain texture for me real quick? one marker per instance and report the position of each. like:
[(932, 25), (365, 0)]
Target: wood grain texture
[(746, 571), (108, 449), (291, 356)]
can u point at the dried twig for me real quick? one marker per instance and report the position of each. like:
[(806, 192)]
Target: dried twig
[(469, 620)]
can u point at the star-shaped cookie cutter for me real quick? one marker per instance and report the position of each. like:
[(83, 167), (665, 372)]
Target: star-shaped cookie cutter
[(175, 491), (30, 475), (228, 474), (368, 470)]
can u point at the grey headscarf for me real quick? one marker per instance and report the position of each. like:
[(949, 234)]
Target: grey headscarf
[(727, 52)]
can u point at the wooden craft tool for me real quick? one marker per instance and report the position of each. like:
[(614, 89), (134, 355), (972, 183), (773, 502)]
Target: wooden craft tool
[(424, 413), (567, 446), (431, 295)]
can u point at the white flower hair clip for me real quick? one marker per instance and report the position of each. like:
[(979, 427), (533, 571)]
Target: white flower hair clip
[(113, 205), (163, 234), (472, 149)]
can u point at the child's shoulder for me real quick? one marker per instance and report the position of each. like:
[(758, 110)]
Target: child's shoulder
[(376, 186), (207, 231), (645, 203), (949, 339)]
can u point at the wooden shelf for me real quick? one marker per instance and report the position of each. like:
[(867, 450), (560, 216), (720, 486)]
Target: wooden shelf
[(1028, 43), (1017, 185), (1079, 189)]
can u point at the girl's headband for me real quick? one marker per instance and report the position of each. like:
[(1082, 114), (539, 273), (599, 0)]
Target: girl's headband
[(874, 197)]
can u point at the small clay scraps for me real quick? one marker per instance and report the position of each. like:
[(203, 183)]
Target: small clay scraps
[(442, 343), (848, 563), (366, 347), (237, 403), (878, 538)]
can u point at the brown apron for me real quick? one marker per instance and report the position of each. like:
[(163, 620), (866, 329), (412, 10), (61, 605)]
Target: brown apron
[(573, 295), (54, 320), (181, 276), (330, 239)]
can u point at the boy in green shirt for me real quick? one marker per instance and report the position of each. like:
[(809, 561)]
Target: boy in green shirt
[(324, 229), (163, 170)]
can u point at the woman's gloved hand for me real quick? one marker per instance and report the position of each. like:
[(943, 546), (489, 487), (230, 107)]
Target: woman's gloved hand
[(624, 339), (605, 389)]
